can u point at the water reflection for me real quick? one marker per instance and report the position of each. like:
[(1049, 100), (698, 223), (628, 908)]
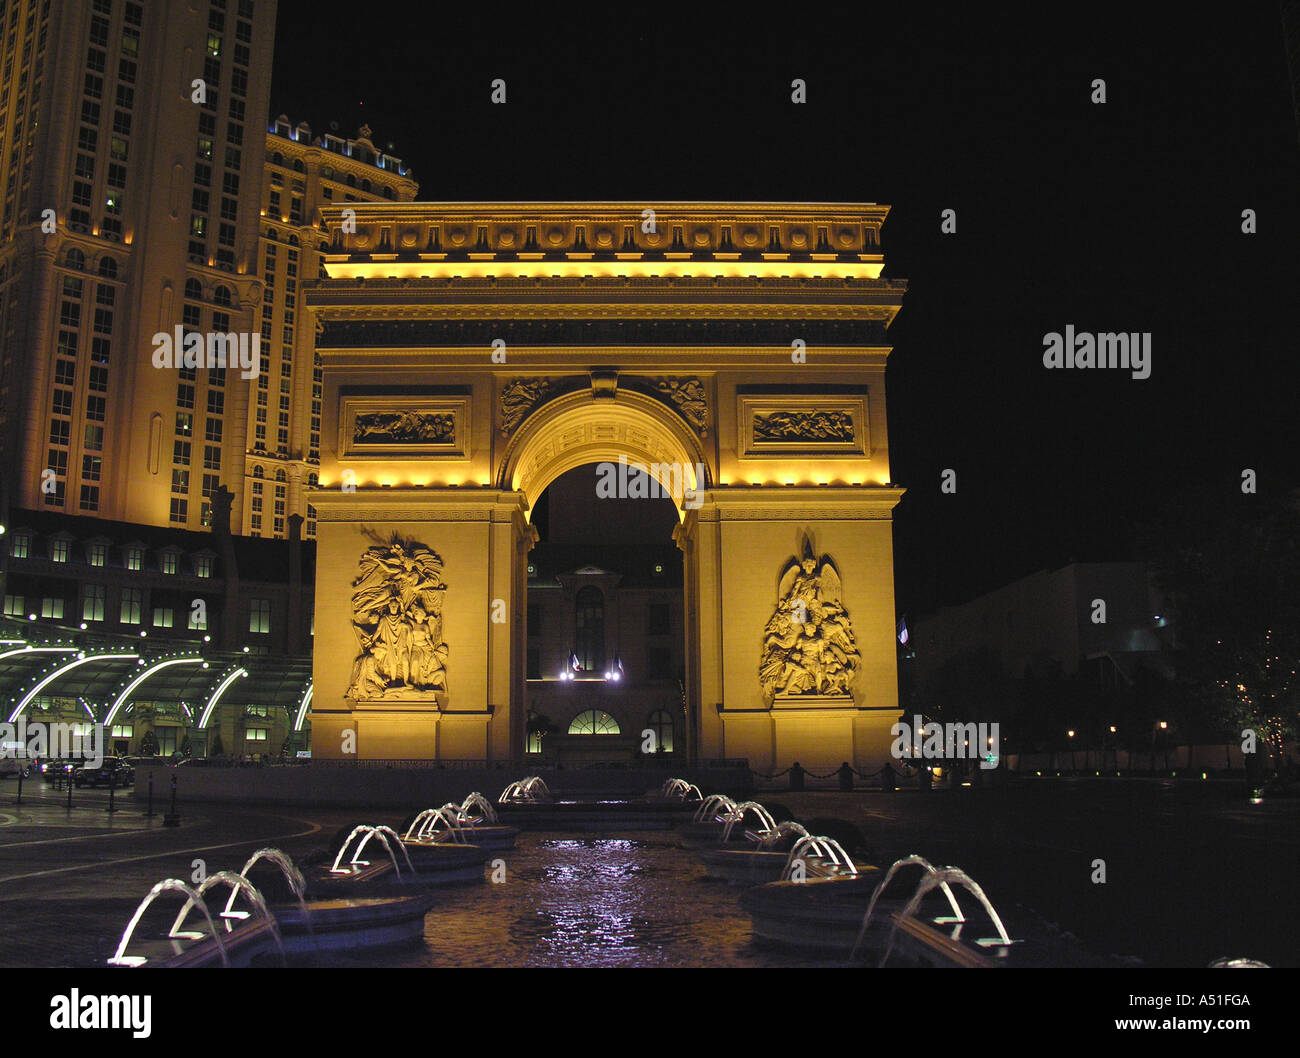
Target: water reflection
[(592, 901)]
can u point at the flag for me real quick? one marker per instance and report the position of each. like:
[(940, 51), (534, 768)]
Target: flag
[(902, 631)]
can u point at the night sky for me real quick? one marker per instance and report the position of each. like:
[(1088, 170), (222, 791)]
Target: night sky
[(1117, 217)]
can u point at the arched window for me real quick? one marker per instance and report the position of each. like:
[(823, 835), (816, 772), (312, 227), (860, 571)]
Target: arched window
[(589, 627), (280, 475), (258, 472), (194, 289), (593, 722), (661, 723), (108, 268), (221, 296), (74, 258), (298, 167)]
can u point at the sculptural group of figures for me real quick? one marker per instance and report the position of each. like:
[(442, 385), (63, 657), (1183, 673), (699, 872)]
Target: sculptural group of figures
[(397, 615), (808, 644)]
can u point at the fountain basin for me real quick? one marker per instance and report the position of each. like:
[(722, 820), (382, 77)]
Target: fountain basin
[(243, 944), (751, 866), (444, 863), (820, 914), (352, 922), (491, 836)]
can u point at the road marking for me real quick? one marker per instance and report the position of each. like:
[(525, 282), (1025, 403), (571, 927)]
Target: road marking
[(312, 829)]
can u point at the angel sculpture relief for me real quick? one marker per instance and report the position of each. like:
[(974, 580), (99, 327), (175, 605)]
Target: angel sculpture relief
[(397, 616), (808, 644)]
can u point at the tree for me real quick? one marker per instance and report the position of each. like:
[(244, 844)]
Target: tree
[(217, 749), (1232, 572), (187, 747), (149, 744)]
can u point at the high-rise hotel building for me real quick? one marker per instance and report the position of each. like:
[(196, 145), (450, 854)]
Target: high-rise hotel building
[(143, 192), (282, 442), (131, 155)]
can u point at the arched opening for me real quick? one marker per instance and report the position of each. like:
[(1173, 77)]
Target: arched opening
[(608, 483)]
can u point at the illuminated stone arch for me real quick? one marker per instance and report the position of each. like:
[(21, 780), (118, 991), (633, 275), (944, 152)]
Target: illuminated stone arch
[(581, 428)]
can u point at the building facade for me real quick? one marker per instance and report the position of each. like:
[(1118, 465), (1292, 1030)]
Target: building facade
[(281, 437), (133, 162)]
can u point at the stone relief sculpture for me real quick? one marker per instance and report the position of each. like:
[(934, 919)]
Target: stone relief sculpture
[(397, 615), (804, 426), (404, 427), (688, 397), (808, 645), (519, 396)]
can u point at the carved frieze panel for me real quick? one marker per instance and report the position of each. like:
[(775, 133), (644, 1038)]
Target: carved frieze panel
[(689, 398), (519, 397), (816, 426), (390, 426)]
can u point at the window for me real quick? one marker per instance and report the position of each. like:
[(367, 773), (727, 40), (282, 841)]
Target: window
[(92, 602), (203, 566), (21, 542), (169, 562), (659, 619), (590, 629), (132, 600), (198, 617), (59, 551), (661, 723), (659, 662), (593, 722), (259, 615), (134, 556), (15, 605), (163, 617), (255, 734), (51, 607), (98, 554)]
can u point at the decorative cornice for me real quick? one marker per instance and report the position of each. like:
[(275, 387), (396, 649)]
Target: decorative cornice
[(605, 238)]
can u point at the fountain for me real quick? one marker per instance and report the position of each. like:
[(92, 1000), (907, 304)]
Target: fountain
[(453, 824), (186, 948), (355, 866), (531, 790), (817, 856), (928, 946), (680, 790), (894, 868), (253, 922), (312, 925), (708, 823)]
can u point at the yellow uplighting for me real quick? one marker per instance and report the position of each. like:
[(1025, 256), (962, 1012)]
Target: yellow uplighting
[(342, 266)]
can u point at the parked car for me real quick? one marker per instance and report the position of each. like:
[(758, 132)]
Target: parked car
[(114, 771), (10, 765), (52, 769)]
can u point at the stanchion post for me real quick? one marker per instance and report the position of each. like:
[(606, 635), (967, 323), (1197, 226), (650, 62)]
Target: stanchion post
[(172, 818), (149, 813)]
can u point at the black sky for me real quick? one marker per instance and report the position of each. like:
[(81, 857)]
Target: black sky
[(1120, 217)]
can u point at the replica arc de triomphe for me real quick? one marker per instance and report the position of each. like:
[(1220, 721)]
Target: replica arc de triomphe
[(473, 352)]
